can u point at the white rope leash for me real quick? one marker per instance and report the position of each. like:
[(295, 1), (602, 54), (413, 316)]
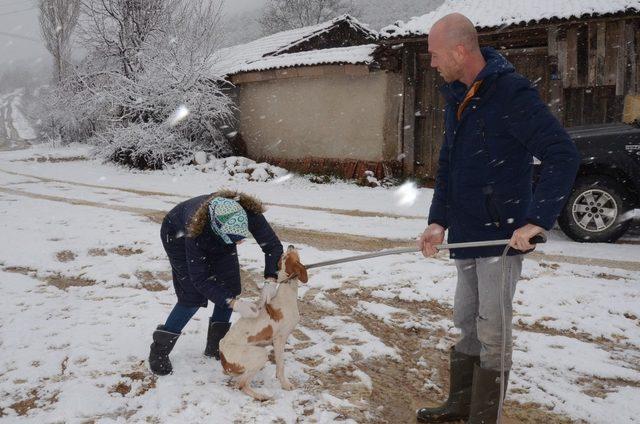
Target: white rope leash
[(503, 314)]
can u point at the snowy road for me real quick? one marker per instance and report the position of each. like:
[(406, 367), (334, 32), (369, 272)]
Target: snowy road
[(84, 281), (15, 133)]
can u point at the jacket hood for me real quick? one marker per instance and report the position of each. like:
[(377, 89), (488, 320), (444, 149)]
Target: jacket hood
[(496, 64)]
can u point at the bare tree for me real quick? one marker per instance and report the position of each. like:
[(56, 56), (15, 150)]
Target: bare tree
[(281, 15), (120, 30), (58, 18)]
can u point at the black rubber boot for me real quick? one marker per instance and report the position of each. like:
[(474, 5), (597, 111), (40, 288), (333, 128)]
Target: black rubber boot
[(217, 330), (485, 398), (459, 401), (163, 343)]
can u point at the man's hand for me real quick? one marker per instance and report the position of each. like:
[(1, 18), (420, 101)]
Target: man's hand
[(521, 236), (269, 291), (245, 308), (433, 235)]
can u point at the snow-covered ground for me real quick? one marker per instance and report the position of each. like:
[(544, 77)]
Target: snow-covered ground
[(85, 280)]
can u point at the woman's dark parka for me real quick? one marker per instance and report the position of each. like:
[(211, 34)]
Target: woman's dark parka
[(204, 267)]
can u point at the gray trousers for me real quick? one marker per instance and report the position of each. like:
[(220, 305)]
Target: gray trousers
[(476, 309)]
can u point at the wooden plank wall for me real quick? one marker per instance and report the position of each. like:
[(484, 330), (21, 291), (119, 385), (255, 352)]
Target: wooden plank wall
[(592, 54), (597, 62)]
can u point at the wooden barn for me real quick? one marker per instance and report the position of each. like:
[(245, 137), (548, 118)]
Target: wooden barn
[(582, 55)]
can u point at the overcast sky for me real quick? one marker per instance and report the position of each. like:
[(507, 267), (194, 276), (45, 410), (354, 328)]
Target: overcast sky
[(20, 34)]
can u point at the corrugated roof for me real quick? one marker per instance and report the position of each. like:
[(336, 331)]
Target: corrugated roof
[(232, 60), (497, 13)]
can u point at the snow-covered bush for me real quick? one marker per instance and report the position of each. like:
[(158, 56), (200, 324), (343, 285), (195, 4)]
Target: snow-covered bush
[(142, 146)]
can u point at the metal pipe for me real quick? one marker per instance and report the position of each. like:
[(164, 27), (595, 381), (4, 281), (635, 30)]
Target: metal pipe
[(408, 250), (540, 238)]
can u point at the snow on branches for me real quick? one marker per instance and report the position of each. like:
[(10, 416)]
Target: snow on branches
[(148, 62)]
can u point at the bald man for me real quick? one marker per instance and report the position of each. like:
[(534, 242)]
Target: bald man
[(495, 122)]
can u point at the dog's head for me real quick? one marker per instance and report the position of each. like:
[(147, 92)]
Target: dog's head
[(290, 264)]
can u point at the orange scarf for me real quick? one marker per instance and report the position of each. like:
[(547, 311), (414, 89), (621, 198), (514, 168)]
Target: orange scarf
[(467, 99)]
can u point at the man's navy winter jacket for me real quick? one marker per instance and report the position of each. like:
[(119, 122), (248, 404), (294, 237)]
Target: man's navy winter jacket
[(484, 181), (204, 267)]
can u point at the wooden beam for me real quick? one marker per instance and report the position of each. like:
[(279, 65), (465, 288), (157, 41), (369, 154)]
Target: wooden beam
[(592, 49), (572, 57), (601, 52), (637, 50), (562, 61), (612, 40), (409, 119), (582, 58), (621, 60), (555, 85), (632, 58)]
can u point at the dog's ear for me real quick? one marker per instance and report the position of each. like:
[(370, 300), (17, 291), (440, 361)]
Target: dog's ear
[(293, 266), (289, 263), (301, 271)]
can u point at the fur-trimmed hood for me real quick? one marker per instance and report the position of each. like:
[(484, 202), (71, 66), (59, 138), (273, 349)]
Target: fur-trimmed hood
[(200, 218), (249, 203)]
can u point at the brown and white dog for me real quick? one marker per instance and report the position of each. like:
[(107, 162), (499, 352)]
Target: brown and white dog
[(243, 350)]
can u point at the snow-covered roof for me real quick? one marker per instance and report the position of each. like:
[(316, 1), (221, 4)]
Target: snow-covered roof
[(232, 60), (343, 55), (497, 13)]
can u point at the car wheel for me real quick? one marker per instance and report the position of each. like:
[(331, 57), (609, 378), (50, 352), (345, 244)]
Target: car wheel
[(597, 210)]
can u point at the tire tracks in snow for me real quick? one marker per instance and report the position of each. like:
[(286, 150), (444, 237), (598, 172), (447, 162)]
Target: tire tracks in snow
[(346, 212), (319, 239)]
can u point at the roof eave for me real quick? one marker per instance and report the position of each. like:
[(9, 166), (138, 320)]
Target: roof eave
[(415, 37)]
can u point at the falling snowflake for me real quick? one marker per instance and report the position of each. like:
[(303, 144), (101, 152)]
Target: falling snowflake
[(178, 115), (406, 194)]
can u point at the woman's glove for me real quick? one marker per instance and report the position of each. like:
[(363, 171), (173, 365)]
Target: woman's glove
[(245, 308), (269, 291)]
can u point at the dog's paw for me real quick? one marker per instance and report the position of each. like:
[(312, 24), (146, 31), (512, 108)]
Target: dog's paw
[(287, 385), (263, 398)]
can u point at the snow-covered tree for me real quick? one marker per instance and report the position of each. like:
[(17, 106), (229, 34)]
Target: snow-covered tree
[(58, 19), (281, 15), (144, 94)]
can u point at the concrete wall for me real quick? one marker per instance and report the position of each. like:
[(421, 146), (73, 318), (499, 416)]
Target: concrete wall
[(332, 114)]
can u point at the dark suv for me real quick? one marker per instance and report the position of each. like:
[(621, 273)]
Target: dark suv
[(607, 189)]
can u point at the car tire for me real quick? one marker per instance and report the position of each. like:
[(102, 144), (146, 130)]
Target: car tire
[(597, 210)]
